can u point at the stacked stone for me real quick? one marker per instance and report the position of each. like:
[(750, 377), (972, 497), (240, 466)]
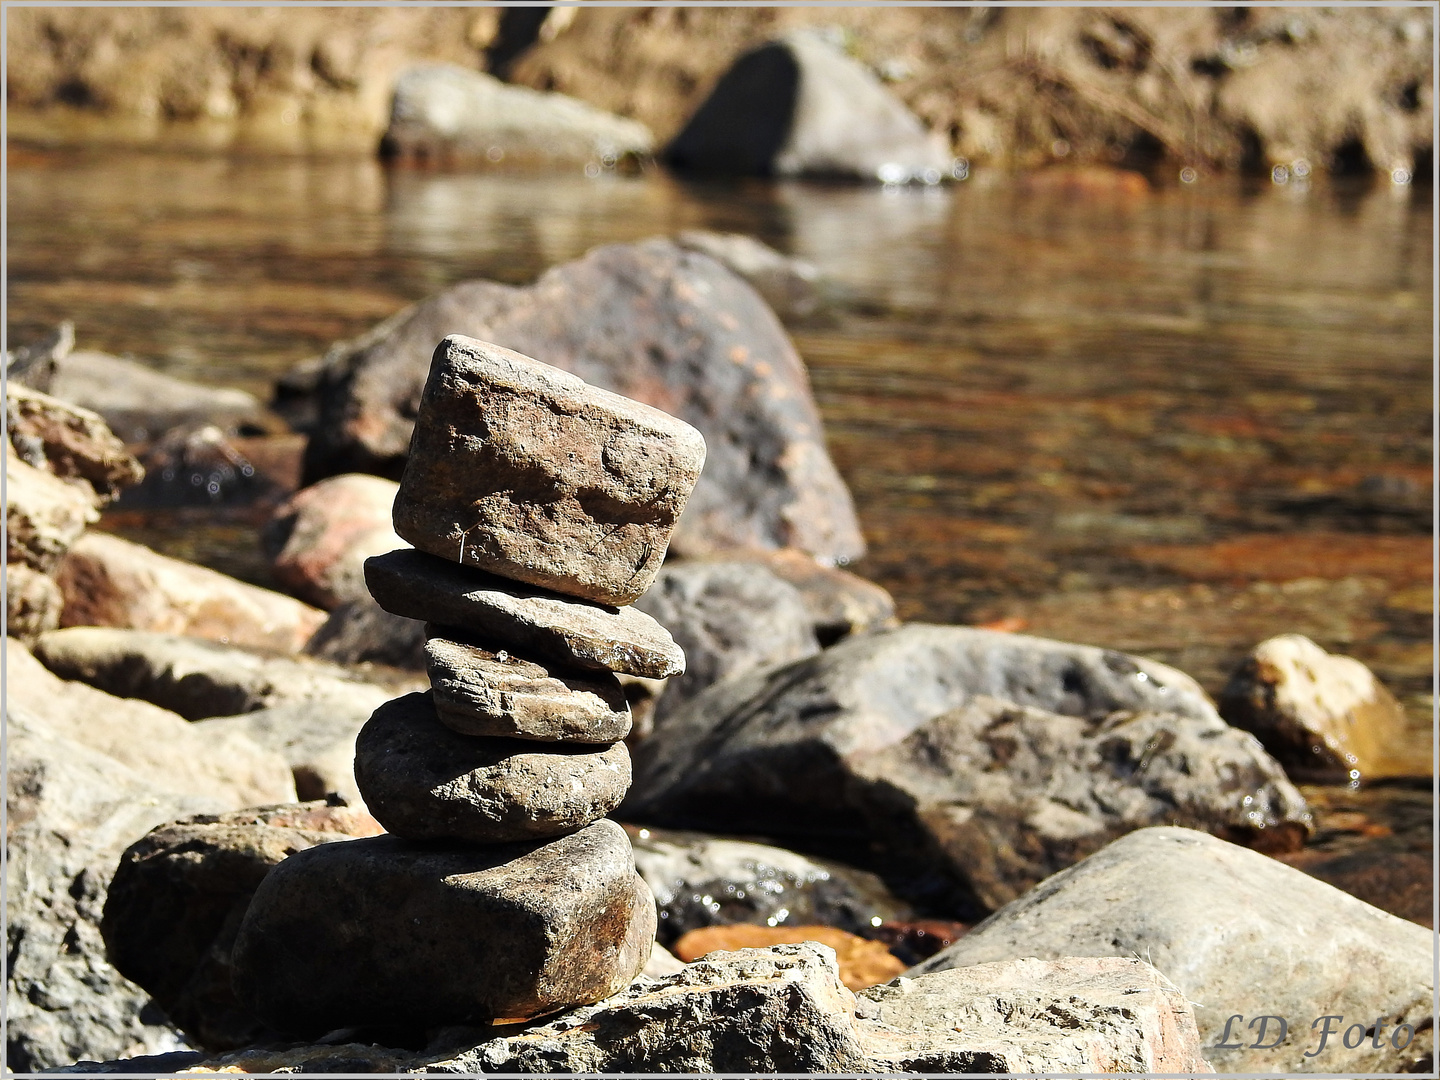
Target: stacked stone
[(539, 508)]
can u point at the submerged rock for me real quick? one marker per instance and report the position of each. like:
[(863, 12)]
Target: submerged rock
[(336, 934), (800, 106), (1241, 934), (666, 326), (319, 538), (196, 464)]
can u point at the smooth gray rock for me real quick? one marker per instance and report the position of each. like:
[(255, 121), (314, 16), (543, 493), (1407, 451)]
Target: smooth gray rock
[(654, 322), (425, 782), (801, 106), (1238, 933), (700, 880), (384, 931), (840, 603), (175, 903), (362, 632), (315, 737), (525, 471), (71, 811), (198, 678), (729, 618), (1070, 1015), (790, 286), (446, 112), (478, 692), (532, 622)]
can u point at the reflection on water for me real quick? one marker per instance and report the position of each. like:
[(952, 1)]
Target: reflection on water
[(1174, 422)]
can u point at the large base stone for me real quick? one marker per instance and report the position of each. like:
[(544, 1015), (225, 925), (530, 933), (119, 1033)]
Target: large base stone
[(387, 932), (425, 782)]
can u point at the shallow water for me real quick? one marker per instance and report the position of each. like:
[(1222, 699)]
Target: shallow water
[(1174, 422)]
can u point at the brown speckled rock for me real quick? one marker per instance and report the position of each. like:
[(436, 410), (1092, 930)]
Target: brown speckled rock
[(423, 781), (387, 932), (532, 621), (478, 692), (524, 470)]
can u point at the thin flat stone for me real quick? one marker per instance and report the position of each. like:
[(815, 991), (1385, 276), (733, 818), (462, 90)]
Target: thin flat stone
[(526, 471), (531, 621), (383, 931), (479, 692), (423, 781)]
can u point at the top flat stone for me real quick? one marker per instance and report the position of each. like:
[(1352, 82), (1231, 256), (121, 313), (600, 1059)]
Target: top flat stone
[(523, 619), (526, 471)]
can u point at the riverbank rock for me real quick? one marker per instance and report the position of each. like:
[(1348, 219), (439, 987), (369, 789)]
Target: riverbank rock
[(1321, 715), (729, 618), (179, 894), (108, 581), (443, 112), (335, 934), (654, 322), (32, 603), (152, 741), (198, 678), (834, 748), (862, 962), (701, 880), (537, 622), (478, 692), (319, 538), (140, 403), (71, 811), (360, 631), (800, 107), (1292, 947), (44, 515), (565, 486), (1072, 1014), (790, 286), (423, 781), (316, 737), (840, 603), (68, 441)]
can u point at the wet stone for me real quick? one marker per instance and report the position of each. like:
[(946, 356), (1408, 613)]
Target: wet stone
[(479, 692), (526, 471), (382, 931), (531, 621), (423, 781)]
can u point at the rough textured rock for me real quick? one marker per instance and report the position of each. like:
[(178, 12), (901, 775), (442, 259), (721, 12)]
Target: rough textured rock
[(701, 880), (32, 602), (224, 765), (68, 441), (840, 603), (112, 582), (198, 678), (493, 693), (507, 931), (531, 621), (790, 286), (445, 112), (862, 962), (800, 106), (362, 632), (44, 515), (1072, 1014), (316, 737), (179, 893), (997, 796), (1317, 713), (730, 618), (563, 485), (140, 403), (425, 782), (1237, 932), (71, 811), (666, 326), (319, 538)]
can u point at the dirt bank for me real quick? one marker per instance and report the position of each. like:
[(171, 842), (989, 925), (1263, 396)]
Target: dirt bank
[(1219, 88)]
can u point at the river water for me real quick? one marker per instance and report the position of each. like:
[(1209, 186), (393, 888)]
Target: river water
[(1174, 421)]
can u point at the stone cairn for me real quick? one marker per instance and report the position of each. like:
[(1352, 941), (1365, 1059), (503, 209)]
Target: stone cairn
[(539, 507)]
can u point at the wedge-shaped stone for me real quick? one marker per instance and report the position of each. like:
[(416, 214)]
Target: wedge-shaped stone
[(423, 781), (531, 621), (383, 931), (478, 692), (522, 469)]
